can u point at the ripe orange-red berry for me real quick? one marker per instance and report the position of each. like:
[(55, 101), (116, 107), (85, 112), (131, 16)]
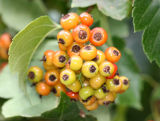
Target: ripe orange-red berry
[(5, 40), (48, 57), (86, 19), (81, 33), (69, 21), (43, 89), (112, 54), (98, 36), (73, 95)]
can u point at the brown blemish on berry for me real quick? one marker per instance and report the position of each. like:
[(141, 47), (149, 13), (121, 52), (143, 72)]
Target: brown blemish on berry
[(44, 58), (125, 82), (66, 16), (31, 75), (116, 81), (87, 99), (88, 47), (115, 52), (62, 58), (54, 90), (104, 88), (82, 34), (52, 77), (61, 41), (96, 58), (97, 36), (92, 69), (117, 73), (65, 77), (107, 69), (76, 48)]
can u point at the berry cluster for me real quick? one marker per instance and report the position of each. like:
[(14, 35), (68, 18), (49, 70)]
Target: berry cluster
[(5, 41), (79, 69)]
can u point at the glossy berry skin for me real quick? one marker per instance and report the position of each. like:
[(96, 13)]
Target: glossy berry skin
[(69, 21), (67, 77), (100, 57), (99, 93), (74, 49), (75, 86), (62, 47), (114, 85), (85, 83), (106, 68), (97, 81), (48, 57), (51, 77), (35, 74), (58, 88), (65, 38), (48, 67), (98, 36), (43, 89), (88, 52), (112, 54), (81, 33), (90, 69), (125, 84), (75, 63), (73, 95), (114, 72), (92, 107), (86, 92), (109, 98), (3, 53), (5, 40), (60, 59), (86, 19), (90, 101)]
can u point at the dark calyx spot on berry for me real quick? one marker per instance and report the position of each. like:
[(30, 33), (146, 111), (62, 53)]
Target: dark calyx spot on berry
[(106, 69), (65, 77), (107, 102), (31, 75), (104, 88), (92, 69), (125, 82), (96, 58), (88, 47), (117, 73), (69, 61), (116, 81), (44, 58), (115, 52), (52, 77), (97, 36), (87, 99), (66, 16), (54, 90), (62, 58), (82, 34), (61, 41), (76, 48)]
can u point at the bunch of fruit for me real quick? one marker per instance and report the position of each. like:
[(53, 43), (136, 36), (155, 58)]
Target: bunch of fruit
[(5, 41), (79, 69)]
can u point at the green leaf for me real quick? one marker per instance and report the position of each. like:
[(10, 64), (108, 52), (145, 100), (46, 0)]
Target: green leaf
[(116, 9), (146, 16), (66, 110), (18, 13), (19, 104), (25, 44)]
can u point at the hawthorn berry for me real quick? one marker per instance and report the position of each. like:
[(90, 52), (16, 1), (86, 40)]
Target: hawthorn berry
[(86, 19), (43, 89)]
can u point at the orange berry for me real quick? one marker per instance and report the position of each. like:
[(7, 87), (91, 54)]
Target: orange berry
[(5, 40), (98, 36), (112, 54), (81, 33), (69, 21), (48, 57), (43, 89), (86, 19), (58, 88)]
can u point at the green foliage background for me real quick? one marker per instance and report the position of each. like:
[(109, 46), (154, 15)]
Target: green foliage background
[(34, 24)]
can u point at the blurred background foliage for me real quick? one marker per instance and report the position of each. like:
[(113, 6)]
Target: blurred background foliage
[(16, 14)]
